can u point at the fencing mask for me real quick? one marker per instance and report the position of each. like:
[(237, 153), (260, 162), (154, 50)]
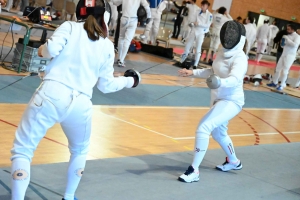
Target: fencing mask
[(231, 33), (97, 8)]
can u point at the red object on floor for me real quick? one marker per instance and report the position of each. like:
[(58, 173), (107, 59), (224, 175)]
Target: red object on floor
[(270, 65)]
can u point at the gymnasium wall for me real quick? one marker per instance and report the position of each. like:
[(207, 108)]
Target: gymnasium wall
[(282, 9)]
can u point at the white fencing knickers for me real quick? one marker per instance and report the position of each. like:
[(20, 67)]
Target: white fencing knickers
[(215, 122), (185, 28), (127, 30), (151, 30), (261, 47), (215, 40), (284, 64), (198, 38), (52, 103)]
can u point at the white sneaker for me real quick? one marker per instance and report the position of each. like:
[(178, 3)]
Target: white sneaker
[(226, 166), (183, 57), (189, 176), (121, 64)]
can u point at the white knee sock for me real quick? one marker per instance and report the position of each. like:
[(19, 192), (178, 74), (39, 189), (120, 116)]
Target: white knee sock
[(20, 177), (276, 77), (227, 146), (75, 171), (125, 48), (201, 145), (120, 47)]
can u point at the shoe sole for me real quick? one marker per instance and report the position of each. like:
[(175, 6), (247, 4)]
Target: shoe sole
[(182, 180), (220, 169)]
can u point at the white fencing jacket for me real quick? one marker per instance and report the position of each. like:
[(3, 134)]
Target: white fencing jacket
[(231, 66), (218, 21), (250, 33), (292, 42), (81, 63), (204, 21), (263, 32), (193, 11), (130, 7)]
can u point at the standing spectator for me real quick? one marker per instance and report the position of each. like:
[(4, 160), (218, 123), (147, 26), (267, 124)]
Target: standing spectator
[(179, 19)]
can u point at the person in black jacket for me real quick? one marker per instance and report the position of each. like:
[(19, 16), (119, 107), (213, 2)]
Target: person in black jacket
[(277, 41), (117, 34), (179, 19)]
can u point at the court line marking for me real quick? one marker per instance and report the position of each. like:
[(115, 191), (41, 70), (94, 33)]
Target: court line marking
[(241, 135), (136, 125)]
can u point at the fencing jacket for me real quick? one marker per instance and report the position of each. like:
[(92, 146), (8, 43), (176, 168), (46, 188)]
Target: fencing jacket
[(250, 32), (193, 12), (130, 7), (292, 42), (157, 7), (219, 20), (204, 21), (231, 66), (79, 62), (263, 32)]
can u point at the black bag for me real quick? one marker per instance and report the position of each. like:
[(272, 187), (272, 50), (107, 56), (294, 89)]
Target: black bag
[(157, 50)]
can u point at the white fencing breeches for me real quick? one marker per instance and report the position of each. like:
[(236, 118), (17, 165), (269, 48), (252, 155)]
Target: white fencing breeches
[(114, 16), (52, 103), (261, 47), (215, 122), (151, 30), (198, 39), (127, 30), (215, 40), (185, 28), (284, 64)]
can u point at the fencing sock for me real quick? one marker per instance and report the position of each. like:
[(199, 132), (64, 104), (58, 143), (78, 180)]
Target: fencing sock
[(20, 177), (201, 145), (75, 172), (227, 146)]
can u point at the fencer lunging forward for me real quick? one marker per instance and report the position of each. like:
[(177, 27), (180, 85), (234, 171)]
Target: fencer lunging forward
[(199, 27), (129, 21), (227, 99), (82, 57)]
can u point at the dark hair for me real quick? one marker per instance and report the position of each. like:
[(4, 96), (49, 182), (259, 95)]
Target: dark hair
[(93, 28), (251, 19), (275, 22), (205, 3), (239, 18), (292, 26), (266, 21), (222, 10), (194, 1)]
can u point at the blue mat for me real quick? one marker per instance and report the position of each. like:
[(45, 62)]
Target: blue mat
[(148, 95)]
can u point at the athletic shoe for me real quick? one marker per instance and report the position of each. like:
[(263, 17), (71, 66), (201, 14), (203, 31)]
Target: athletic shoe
[(226, 166), (20, 13), (210, 62), (116, 50), (272, 85), (183, 57), (279, 88), (120, 64), (189, 176), (5, 9), (117, 62), (183, 41)]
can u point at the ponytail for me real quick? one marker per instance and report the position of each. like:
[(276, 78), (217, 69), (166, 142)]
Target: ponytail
[(93, 29)]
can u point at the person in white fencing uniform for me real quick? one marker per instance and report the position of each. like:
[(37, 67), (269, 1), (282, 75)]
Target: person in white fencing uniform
[(274, 30), (151, 31), (250, 33), (191, 18), (199, 27), (128, 24), (185, 24), (82, 57), (290, 44), (114, 18), (219, 19), (263, 35), (225, 80)]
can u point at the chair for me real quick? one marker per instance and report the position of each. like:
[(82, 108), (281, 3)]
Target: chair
[(40, 3), (164, 35), (70, 10)]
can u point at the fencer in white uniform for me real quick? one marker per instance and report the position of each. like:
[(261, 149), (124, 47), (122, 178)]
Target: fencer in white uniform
[(250, 33), (227, 98), (199, 27), (274, 30), (128, 24), (219, 19), (114, 18), (185, 24), (81, 59), (290, 44), (191, 18), (151, 30), (263, 35)]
